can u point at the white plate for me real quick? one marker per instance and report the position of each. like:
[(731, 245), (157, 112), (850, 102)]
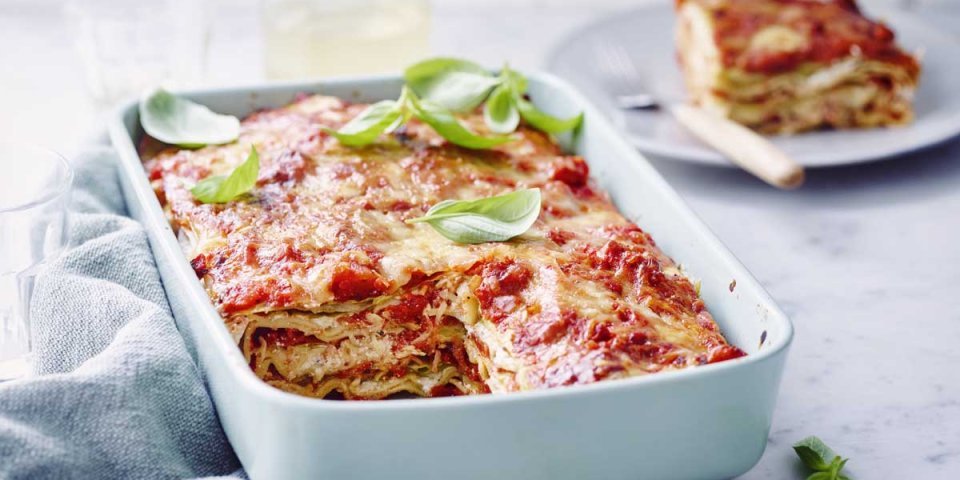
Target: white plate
[(647, 35)]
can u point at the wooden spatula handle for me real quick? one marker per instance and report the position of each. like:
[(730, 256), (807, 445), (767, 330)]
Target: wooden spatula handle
[(742, 146)]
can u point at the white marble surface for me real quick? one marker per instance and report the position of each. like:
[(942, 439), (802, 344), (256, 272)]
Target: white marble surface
[(865, 260)]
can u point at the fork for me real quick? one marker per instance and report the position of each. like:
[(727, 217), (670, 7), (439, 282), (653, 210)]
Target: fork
[(744, 147)]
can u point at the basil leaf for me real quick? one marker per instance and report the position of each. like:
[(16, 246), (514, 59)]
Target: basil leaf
[(460, 92), (500, 113), (366, 127), (544, 122), (223, 188), (178, 121), (514, 79), (835, 468), (491, 219), (815, 454), (819, 457), (454, 84), (447, 125), (423, 72)]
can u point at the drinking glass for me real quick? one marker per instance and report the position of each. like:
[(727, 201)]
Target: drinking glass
[(34, 191), (312, 38)]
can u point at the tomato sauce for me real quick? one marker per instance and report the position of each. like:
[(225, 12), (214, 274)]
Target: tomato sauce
[(832, 29), (246, 294), (502, 281), (353, 281)]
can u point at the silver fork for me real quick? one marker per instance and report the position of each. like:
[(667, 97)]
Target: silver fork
[(742, 146), (623, 78)]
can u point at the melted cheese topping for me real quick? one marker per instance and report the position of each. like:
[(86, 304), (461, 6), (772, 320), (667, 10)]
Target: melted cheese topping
[(777, 39), (329, 292)]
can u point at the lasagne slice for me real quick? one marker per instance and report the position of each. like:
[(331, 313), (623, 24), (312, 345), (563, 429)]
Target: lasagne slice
[(330, 293), (786, 66)]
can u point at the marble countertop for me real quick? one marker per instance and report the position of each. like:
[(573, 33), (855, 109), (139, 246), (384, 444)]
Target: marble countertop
[(864, 259)]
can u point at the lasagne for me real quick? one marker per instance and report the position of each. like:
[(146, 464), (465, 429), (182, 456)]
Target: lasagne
[(785, 66), (330, 293)]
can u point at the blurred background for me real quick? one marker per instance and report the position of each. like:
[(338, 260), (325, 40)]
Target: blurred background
[(67, 61)]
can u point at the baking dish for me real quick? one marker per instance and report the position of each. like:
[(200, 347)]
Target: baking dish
[(706, 422)]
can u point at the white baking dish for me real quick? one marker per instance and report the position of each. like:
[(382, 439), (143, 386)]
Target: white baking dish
[(706, 422)]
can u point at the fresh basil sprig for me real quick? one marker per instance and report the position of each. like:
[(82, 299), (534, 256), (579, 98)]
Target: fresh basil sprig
[(817, 456), (178, 121), (381, 117), (447, 125), (460, 85), (500, 112), (491, 219), (224, 188), (531, 114), (385, 116), (455, 84), (547, 123)]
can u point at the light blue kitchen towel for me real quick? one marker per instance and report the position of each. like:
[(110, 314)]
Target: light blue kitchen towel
[(117, 393)]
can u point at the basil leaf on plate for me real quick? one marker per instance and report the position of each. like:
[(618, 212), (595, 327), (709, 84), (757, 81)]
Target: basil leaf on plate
[(454, 84), (447, 125), (545, 122), (224, 188), (500, 113), (178, 121), (367, 126), (491, 219)]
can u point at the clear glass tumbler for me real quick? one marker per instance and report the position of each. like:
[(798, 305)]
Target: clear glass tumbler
[(34, 192), (315, 38)]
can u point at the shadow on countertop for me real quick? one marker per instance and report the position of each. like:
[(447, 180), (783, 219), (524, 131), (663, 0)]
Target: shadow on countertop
[(918, 176)]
